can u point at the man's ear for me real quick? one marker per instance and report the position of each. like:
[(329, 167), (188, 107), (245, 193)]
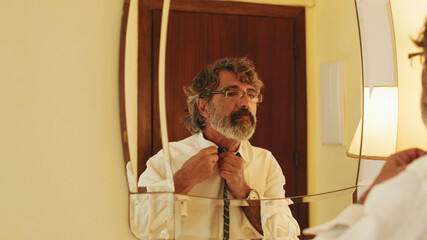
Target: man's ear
[(203, 106)]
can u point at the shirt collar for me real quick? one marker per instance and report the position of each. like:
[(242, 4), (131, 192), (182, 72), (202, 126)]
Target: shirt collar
[(204, 143)]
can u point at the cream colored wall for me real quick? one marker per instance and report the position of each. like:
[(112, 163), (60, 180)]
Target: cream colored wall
[(332, 35), (61, 163)]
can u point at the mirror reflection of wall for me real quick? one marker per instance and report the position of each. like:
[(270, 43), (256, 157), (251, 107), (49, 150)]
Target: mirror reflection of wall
[(331, 36), (392, 117), (408, 17)]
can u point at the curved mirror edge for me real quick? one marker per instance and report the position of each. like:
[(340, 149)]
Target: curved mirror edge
[(128, 90), (328, 154), (178, 215), (380, 90), (131, 159)]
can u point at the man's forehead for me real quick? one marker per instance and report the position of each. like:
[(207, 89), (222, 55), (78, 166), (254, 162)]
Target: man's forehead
[(228, 79)]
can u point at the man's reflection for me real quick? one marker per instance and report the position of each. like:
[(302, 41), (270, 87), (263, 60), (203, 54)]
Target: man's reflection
[(218, 161)]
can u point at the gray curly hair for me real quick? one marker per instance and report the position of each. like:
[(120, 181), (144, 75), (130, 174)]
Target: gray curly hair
[(421, 41), (207, 81)]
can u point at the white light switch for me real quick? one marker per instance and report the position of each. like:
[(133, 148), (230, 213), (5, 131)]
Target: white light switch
[(331, 103)]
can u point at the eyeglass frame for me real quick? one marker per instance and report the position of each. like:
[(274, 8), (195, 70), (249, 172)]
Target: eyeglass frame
[(416, 54), (260, 96), (411, 55)]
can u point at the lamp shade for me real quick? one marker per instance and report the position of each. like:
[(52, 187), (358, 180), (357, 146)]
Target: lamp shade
[(379, 127)]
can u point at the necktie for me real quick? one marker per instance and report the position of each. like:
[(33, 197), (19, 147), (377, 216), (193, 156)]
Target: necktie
[(226, 213)]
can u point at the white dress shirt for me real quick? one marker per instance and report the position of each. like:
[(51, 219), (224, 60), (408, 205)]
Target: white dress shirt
[(199, 215), (395, 209)]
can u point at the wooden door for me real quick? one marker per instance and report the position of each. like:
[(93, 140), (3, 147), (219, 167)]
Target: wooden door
[(198, 34)]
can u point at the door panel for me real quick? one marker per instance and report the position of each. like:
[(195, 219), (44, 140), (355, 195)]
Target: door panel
[(197, 38)]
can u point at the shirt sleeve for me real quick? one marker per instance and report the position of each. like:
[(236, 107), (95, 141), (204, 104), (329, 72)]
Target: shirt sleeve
[(276, 216), (152, 214), (158, 176), (393, 210)]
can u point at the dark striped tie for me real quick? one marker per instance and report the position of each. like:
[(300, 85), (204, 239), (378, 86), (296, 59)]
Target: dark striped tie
[(226, 214)]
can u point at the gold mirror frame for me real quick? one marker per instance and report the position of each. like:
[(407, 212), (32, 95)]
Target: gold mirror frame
[(122, 97)]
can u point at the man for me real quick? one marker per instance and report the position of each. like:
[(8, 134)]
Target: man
[(394, 207), (218, 161)]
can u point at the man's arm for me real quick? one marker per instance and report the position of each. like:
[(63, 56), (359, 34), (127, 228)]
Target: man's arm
[(357, 220), (195, 170), (146, 208), (253, 213)]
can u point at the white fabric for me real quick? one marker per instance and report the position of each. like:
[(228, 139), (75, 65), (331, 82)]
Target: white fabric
[(395, 209), (201, 218)]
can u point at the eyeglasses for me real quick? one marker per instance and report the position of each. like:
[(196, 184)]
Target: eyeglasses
[(414, 63), (235, 93)]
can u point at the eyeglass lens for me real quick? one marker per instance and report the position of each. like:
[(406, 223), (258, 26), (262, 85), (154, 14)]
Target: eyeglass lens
[(237, 93)]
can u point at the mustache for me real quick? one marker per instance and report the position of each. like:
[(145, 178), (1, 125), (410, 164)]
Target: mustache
[(240, 113)]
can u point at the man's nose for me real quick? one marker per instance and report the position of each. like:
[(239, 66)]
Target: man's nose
[(243, 100)]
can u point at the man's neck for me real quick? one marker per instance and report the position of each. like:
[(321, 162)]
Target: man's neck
[(214, 136)]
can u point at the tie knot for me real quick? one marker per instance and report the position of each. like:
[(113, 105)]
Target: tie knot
[(221, 150)]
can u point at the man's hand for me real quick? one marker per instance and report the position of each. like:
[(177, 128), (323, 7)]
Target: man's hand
[(395, 164), (195, 170), (230, 167)]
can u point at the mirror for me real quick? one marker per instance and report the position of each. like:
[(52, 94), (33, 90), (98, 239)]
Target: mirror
[(264, 32), (171, 207)]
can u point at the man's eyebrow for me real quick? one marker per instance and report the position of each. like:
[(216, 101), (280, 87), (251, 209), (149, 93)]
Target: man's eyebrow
[(231, 87), (237, 87)]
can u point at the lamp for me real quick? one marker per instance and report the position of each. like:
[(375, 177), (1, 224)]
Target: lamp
[(379, 125), (376, 135), (378, 131)]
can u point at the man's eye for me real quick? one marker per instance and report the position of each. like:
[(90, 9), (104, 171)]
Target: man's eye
[(231, 93), (252, 95)]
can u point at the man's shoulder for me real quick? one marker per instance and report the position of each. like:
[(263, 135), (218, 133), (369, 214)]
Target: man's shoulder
[(248, 145), (418, 169), (184, 145), (259, 151), (186, 141)]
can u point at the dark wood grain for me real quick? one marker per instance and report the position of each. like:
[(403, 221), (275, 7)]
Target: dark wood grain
[(200, 32)]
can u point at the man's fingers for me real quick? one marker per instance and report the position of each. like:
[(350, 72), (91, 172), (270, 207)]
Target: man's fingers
[(226, 173), (209, 150), (405, 157), (230, 157), (230, 164), (420, 152), (222, 165)]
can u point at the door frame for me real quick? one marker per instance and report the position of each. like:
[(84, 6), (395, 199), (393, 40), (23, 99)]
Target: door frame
[(145, 75)]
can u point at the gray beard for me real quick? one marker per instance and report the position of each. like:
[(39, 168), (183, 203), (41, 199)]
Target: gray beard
[(230, 128)]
